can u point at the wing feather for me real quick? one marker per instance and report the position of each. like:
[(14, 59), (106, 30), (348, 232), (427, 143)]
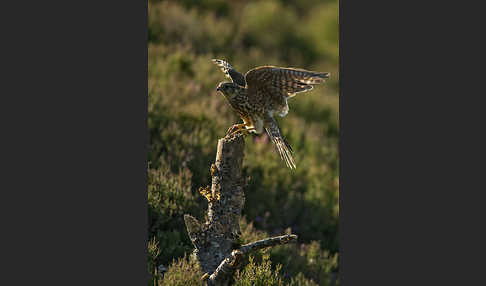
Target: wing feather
[(230, 72), (284, 82)]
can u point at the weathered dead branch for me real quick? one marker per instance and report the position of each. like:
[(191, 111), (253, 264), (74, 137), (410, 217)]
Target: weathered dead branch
[(216, 240)]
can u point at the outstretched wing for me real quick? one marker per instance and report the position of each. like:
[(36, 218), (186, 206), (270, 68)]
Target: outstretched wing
[(282, 82), (230, 72), (283, 147)]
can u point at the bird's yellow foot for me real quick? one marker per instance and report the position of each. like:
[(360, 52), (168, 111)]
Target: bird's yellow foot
[(242, 131), (234, 128)]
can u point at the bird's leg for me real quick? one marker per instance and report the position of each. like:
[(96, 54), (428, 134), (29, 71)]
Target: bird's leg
[(238, 127), (243, 130)]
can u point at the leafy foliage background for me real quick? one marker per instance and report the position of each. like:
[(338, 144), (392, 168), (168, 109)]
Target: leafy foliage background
[(186, 117)]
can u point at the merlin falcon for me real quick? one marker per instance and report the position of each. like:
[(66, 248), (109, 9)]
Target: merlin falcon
[(263, 92)]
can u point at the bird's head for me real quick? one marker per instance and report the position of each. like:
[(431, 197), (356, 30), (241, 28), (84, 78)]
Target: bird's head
[(228, 89)]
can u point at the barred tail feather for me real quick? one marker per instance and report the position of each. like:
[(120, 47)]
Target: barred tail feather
[(285, 153), (281, 144)]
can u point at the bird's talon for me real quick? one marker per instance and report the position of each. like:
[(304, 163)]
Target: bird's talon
[(242, 130), (236, 132), (231, 129)]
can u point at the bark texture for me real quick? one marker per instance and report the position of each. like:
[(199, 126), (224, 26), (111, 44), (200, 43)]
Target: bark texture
[(216, 240)]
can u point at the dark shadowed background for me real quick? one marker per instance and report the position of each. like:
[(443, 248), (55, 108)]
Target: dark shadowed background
[(186, 116)]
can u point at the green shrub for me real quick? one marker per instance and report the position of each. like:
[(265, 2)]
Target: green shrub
[(301, 263), (169, 198), (153, 254), (183, 272), (307, 260), (300, 280), (259, 274)]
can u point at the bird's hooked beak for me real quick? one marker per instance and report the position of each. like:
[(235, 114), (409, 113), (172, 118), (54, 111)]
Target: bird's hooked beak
[(219, 88)]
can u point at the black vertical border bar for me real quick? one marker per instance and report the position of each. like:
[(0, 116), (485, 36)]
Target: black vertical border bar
[(411, 160), (74, 204)]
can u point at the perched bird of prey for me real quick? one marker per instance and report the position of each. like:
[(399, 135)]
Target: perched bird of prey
[(263, 92)]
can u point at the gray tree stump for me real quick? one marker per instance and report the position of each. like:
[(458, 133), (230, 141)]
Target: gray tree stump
[(216, 241)]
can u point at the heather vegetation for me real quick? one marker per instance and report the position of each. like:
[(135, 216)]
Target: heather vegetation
[(186, 116)]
